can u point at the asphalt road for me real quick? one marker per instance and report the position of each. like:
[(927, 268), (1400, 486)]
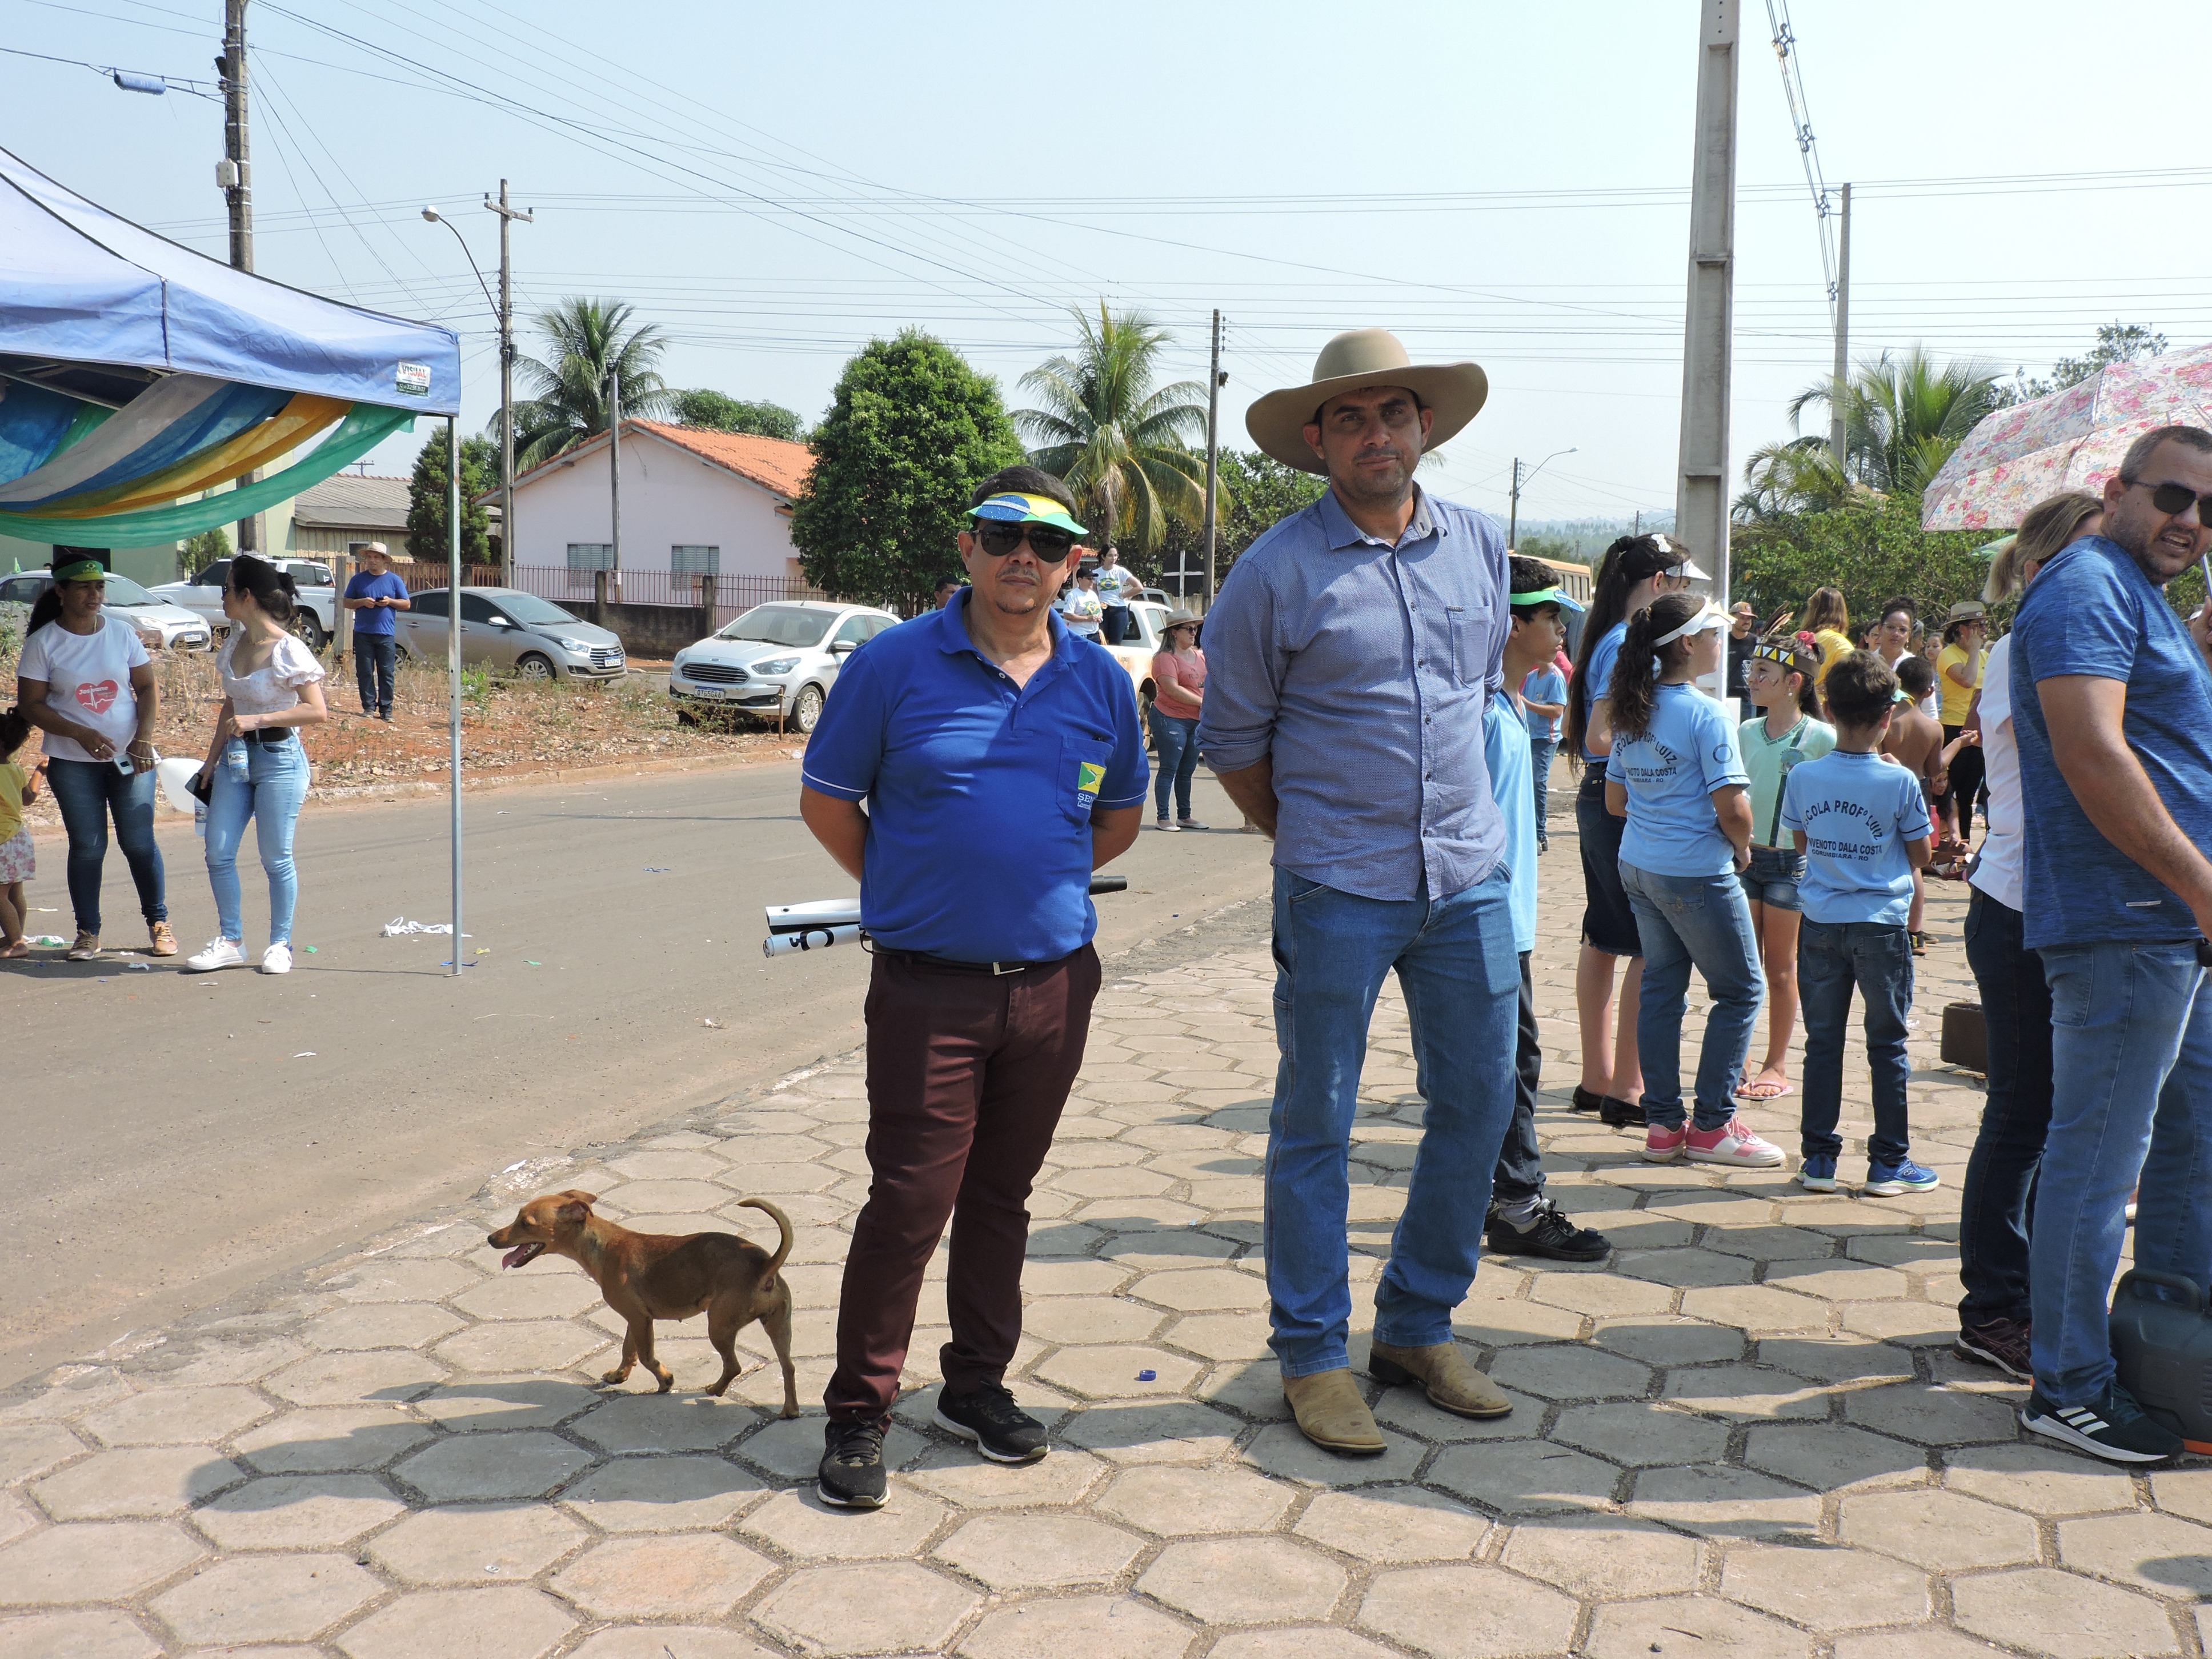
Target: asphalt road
[(172, 1138)]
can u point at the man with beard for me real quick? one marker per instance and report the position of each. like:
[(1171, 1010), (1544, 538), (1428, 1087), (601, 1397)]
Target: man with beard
[(1350, 656), (2112, 707)]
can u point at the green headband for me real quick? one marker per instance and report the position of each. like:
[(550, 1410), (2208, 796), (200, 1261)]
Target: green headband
[(81, 570), (1542, 596)]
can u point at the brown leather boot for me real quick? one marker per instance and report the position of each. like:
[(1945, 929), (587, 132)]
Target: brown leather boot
[(1331, 1413), (1445, 1374)]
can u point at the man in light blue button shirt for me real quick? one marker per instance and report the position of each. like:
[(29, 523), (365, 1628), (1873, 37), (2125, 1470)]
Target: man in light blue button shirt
[(1349, 658)]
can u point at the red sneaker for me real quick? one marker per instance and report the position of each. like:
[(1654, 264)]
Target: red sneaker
[(1662, 1145)]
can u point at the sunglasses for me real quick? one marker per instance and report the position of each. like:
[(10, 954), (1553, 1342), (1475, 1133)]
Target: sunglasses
[(2173, 499), (999, 538)]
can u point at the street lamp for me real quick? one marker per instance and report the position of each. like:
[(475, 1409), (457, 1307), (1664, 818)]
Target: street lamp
[(505, 408), (1513, 519)]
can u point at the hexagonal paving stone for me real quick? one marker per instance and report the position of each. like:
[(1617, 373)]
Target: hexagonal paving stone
[(641, 1202), (2045, 1610), (1941, 1531), (1845, 1358), (2177, 1492), (1683, 1266), (523, 1345), (1203, 1290), (1221, 1335), (1716, 1629), (1840, 1281), (1670, 1340), (485, 1404), (685, 1575), (1824, 1589), (958, 1476), (1600, 1294), (801, 1525), (527, 1464), (1153, 1432), (379, 1325), (1932, 1416), (141, 1481), (663, 1494), (2160, 1554), (508, 1623), (1641, 1434), (1300, 1641), (669, 1165), (76, 1635), (895, 1607), (1394, 1524), (382, 1377), (330, 1439), (1078, 1627), (298, 1511), (1468, 1613), (29, 1449), (1569, 1372), (1176, 1503), (1090, 1319), (16, 1517), (1530, 1477), (395, 1279), (177, 1417), (475, 1543), (1745, 1393), (91, 1561), (1602, 1557), (666, 1423), (1282, 1451), (1829, 1456), (1113, 1371), (1919, 1641), (1756, 1307), (1725, 1503), (1039, 1551), (1243, 1581), (538, 1294), (266, 1598), (670, 1642), (2044, 1480), (1501, 1324)]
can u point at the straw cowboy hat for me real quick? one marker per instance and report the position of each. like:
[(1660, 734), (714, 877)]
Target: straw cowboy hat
[(1364, 357)]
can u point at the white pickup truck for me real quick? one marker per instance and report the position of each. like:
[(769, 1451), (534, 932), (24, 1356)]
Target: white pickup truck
[(315, 622), (1135, 654)]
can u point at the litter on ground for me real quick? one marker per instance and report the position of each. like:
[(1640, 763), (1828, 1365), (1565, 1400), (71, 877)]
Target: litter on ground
[(399, 926)]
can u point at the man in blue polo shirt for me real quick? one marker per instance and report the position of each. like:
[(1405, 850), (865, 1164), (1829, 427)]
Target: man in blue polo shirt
[(984, 737), (2111, 705), (373, 594)]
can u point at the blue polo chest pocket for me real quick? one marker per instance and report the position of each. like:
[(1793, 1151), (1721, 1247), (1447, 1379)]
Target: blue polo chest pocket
[(1468, 625), (1082, 774)]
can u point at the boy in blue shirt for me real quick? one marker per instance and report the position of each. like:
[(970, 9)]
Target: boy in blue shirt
[(1544, 700), (1522, 1221), (1863, 830)]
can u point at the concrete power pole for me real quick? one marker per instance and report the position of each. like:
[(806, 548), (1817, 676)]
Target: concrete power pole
[(1513, 513), (1213, 378), (1701, 491), (507, 215), (235, 175), (614, 477), (1835, 439)]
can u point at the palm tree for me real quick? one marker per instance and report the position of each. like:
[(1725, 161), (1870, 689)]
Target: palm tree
[(1801, 476), (589, 339), (1122, 444), (1903, 415)]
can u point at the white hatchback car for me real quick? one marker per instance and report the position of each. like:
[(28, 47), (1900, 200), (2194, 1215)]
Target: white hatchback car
[(780, 658), (163, 626)]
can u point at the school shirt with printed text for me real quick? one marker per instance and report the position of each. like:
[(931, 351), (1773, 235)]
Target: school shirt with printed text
[(1857, 812), (1687, 752)]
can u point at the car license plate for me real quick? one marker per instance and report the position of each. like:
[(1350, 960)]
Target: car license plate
[(706, 691)]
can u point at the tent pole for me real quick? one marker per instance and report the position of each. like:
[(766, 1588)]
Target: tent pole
[(454, 656)]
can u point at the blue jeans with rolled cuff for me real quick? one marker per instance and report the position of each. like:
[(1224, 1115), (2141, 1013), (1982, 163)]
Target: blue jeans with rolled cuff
[(1832, 958), (2131, 1099), (265, 783), (1177, 740), (2001, 1174), (1455, 962), (1700, 922), (87, 793)]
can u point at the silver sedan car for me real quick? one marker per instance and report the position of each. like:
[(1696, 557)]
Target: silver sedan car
[(779, 659), (510, 632)]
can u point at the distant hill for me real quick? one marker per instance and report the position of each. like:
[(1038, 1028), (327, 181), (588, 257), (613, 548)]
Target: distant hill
[(1582, 539)]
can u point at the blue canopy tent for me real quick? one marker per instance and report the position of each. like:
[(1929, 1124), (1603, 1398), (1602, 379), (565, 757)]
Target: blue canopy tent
[(141, 382)]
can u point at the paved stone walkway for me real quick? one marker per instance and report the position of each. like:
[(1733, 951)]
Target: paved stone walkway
[(1743, 1437)]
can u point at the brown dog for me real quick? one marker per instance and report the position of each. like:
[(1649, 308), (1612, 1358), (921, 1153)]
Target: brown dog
[(649, 1276)]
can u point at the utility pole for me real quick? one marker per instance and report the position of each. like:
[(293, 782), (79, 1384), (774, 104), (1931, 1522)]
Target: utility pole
[(235, 176), (1513, 514), (1701, 492), (1214, 377), (614, 475), (507, 215), (1836, 441)]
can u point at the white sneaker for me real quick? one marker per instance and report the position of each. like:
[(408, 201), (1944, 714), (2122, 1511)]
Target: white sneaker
[(276, 959), (1734, 1144), (219, 953)]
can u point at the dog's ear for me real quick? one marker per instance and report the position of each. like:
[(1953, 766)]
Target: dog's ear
[(580, 1197), (573, 1214)]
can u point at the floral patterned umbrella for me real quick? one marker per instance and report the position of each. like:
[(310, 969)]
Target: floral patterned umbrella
[(2071, 440)]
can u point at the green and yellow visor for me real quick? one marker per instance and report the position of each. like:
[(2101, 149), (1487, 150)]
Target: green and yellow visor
[(1014, 507), (80, 570), (1552, 595)]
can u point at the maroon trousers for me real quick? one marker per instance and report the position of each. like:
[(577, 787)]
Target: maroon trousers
[(967, 1075)]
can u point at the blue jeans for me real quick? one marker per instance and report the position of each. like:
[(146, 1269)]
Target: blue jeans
[(1877, 957), (1702, 921), (1455, 961), (266, 784), (2131, 1075), (1540, 750), (88, 792), (1993, 1206), (374, 660), (1177, 741)]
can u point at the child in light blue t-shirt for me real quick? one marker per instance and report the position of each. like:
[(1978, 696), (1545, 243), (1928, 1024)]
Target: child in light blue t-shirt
[(1860, 821)]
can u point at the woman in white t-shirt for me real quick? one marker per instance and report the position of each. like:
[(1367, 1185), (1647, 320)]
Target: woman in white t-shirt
[(1993, 1318), (272, 685), (85, 681)]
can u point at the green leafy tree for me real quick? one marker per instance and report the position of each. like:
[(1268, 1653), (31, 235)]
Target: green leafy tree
[(427, 533), (2116, 342), (1536, 545), (911, 431), (586, 340), (202, 550), (1255, 492), (1870, 551), (1801, 476), (1903, 416), (716, 411), (1119, 440)]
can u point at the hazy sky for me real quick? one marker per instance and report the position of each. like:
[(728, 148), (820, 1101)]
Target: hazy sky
[(776, 186)]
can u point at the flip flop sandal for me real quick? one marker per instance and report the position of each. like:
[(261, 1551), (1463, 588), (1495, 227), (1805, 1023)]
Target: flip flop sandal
[(1766, 1090)]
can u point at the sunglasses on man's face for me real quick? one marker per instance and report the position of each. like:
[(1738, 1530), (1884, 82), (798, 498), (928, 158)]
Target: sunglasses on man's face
[(2173, 499), (999, 538)]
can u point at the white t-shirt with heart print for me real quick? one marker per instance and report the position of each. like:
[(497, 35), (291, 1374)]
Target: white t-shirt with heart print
[(87, 680)]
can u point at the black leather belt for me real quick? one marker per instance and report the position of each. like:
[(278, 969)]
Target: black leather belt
[(996, 970), (269, 736)]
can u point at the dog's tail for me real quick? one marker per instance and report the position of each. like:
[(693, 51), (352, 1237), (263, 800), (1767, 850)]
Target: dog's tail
[(782, 1225)]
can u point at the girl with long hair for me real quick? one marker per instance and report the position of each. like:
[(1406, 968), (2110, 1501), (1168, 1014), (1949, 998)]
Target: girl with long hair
[(1635, 570), (1828, 620), (1789, 731), (1676, 777)]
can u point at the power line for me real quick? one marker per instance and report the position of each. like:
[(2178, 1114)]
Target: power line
[(1800, 123), (172, 82)]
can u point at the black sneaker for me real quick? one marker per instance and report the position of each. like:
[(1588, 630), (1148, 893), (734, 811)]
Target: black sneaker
[(1002, 1431), (851, 1475), (1548, 1233), (2003, 1343), (2114, 1428)]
